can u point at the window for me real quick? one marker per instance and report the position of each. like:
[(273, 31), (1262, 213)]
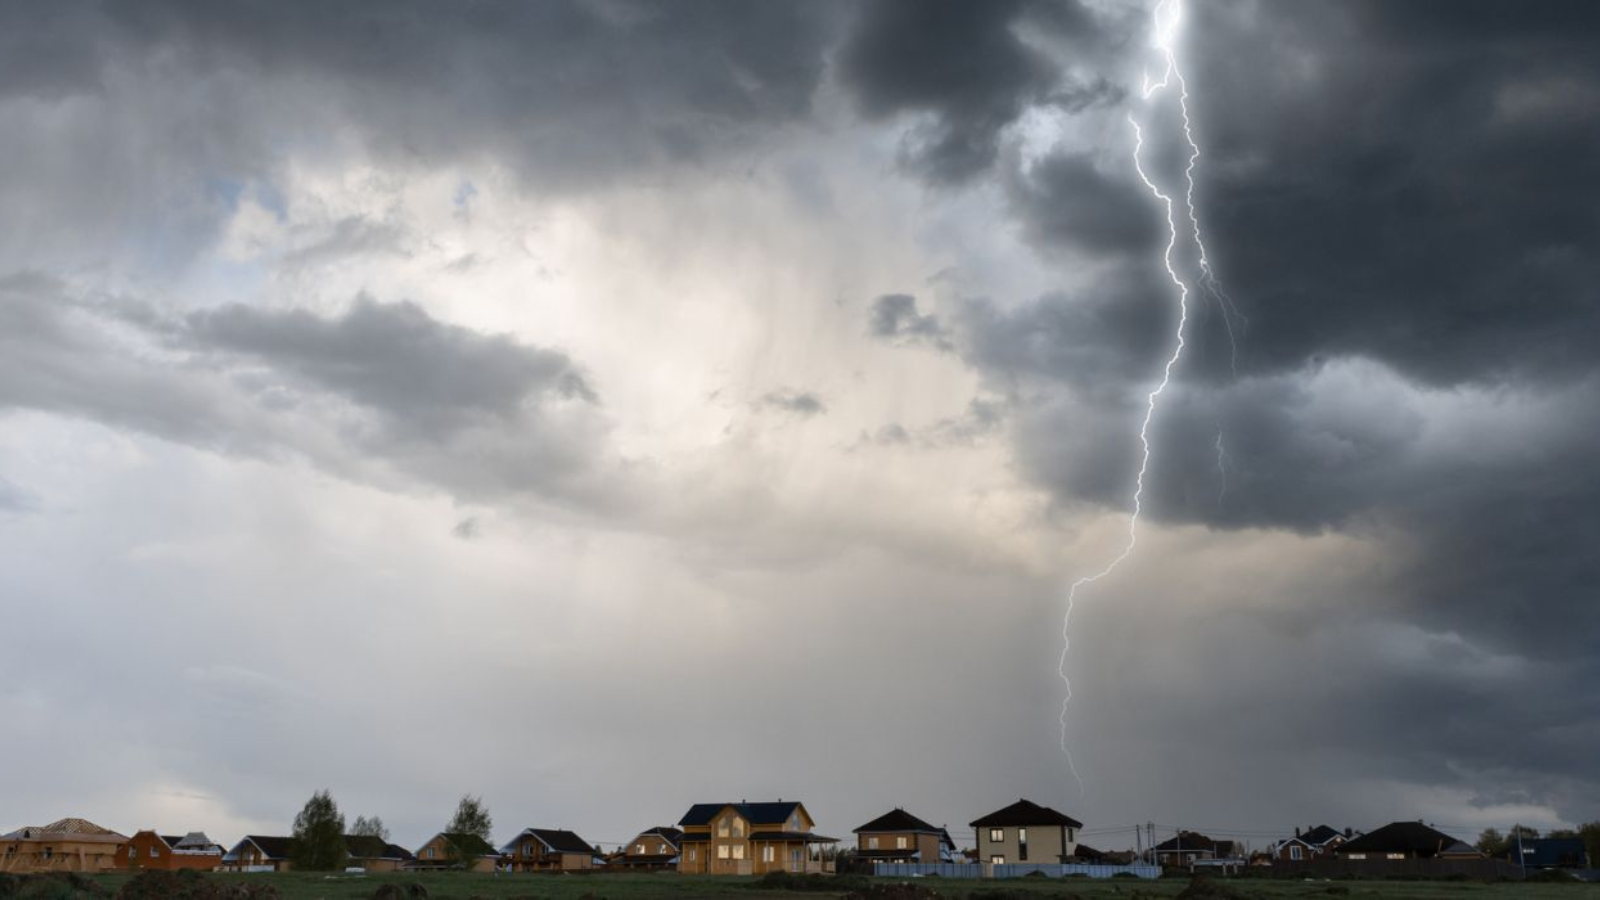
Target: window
[(1022, 844), (428, 853), (900, 843), (738, 851), (1356, 856), (722, 828), (155, 852), (1072, 834), (794, 856), (872, 843), (1296, 851), (693, 855), (1397, 856), (639, 849), (997, 835), (722, 851), (738, 827), (661, 848), (766, 853), (133, 852), (998, 860)]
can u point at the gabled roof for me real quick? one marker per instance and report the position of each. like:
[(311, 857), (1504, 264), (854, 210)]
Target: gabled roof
[(667, 832), (1320, 835), (1025, 813), (467, 844), (766, 813), (1400, 837), (370, 846), (270, 847), (79, 828), (1193, 840), (897, 820), (555, 840)]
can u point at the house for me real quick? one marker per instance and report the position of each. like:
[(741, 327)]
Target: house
[(371, 853), (1549, 853), (1026, 832), (258, 853), (148, 850), (451, 851), (1397, 840), (1188, 847), (1461, 850), (653, 850), (548, 850), (67, 845), (898, 836), (1312, 843), (748, 839)]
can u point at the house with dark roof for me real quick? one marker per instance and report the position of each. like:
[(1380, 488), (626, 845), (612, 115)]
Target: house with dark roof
[(1313, 843), (898, 836), (371, 853), (66, 845), (1188, 847), (1550, 853), (1026, 832), (1397, 840), (456, 851), (548, 850), (748, 839), (654, 849), (258, 853), (148, 850)]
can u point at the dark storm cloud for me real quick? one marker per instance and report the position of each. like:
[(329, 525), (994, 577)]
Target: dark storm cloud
[(963, 65), (1067, 203), (471, 413)]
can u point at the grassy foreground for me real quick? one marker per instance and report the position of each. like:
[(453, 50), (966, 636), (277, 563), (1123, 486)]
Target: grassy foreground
[(467, 886)]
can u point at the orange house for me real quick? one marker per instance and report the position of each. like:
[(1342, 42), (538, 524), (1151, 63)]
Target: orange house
[(148, 850)]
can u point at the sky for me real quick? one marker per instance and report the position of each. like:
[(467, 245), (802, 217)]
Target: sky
[(604, 407)]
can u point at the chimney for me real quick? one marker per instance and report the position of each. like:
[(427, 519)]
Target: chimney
[(1297, 831)]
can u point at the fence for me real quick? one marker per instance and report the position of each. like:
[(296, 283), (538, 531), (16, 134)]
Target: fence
[(1380, 869), (1007, 870)]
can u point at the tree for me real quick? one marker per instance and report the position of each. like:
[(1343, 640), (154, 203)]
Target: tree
[(1590, 832), (372, 827), (1491, 842), (471, 818), (318, 843)]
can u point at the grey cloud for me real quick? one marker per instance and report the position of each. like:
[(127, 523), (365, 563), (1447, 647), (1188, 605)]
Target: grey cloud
[(1067, 203), (894, 317), (468, 529), (477, 415), (962, 64), (14, 499), (800, 403)]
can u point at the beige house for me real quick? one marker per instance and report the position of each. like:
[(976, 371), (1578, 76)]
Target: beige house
[(748, 839), (1026, 832), (258, 853), (898, 836), (653, 850), (450, 851), (68, 845), (548, 850)]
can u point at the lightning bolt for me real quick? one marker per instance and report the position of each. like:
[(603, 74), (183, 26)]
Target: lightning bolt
[(1166, 21)]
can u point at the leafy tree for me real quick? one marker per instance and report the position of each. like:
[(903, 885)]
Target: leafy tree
[(472, 817), (1491, 842), (318, 844), (1590, 832), (372, 827)]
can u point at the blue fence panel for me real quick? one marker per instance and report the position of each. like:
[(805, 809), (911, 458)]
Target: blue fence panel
[(1007, 870)]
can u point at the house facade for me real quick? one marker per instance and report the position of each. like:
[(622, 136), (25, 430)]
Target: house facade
[(655, 849), (258, 853), (1026, 832), (453, 851), (148, 850), (548, 850), (1313, 843), (898, 836), (748, 839), (1398, 840), (1549, 853), (67, 845)]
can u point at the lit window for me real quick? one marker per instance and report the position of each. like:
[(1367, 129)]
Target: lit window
[(722, 828), (738, 851), (997, 860), (1397, 856), (997, 834), (722, 851), (662, 848), (738, 827), (872, 843), (693, 855), (766, 853), (1356, 856), (638, 848), (900, 843)]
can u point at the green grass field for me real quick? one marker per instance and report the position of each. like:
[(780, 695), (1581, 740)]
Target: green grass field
[(464, 886)]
